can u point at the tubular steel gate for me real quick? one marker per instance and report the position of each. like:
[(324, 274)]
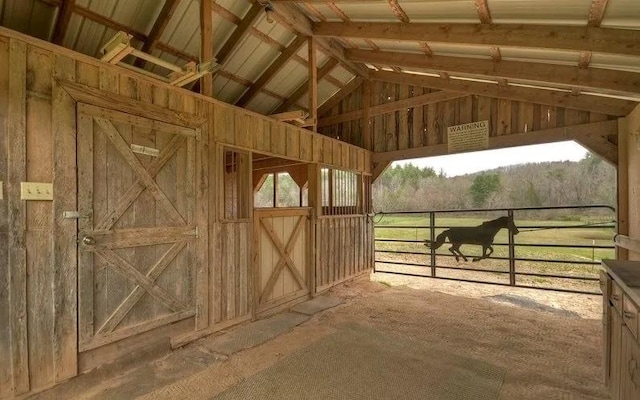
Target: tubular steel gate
[(558, 248)]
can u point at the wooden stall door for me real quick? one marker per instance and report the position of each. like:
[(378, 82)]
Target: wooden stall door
[(282, 264), (137, 231)]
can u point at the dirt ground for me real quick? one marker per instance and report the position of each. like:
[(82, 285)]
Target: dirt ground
[(546, 355), (548, 343)]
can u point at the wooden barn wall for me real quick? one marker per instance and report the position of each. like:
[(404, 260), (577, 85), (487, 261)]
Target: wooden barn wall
[(427, 125), (629, 180), (345, 248), (38, 250)]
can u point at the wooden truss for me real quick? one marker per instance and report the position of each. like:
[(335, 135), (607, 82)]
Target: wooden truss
[(119, 47)]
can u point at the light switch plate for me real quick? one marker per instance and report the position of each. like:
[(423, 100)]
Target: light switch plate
[(36, 191)]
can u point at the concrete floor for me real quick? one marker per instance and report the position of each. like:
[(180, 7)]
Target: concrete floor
[(547, 354)]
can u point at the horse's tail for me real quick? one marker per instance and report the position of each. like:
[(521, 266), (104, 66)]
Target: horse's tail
[(439, 240)]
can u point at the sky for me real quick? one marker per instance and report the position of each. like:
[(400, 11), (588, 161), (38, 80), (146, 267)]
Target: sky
[(467, 163)]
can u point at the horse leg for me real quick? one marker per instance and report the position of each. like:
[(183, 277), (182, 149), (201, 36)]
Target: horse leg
[(456, 247), (484, 253), (452, 250)]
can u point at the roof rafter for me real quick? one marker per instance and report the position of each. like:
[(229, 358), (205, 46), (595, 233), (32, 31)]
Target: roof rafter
[(302, 89), (541, 96), (62, 23), (158, 28), (299, 22), (239, 33), (621, 82), (581, 38), (273, 69), (483, 11)]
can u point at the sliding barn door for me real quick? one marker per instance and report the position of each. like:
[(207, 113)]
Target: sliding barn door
[(136, 200), (282, 257)]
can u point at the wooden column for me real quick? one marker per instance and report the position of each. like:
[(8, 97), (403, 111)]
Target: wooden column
[(315, 202), (313, 85), (206, 45), (622, 210), (367, 138)]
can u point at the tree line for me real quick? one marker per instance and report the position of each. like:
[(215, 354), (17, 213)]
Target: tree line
[(411, 188)]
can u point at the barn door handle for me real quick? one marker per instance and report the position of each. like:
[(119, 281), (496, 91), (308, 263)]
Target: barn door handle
[(88, 240)]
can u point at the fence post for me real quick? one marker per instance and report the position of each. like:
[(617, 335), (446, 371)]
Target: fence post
[(512, 254), (432, 230)]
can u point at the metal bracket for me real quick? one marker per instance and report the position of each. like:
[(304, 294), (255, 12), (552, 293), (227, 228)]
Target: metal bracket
[(75, 215)]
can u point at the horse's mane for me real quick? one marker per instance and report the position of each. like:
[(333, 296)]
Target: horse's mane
[(493, 221)]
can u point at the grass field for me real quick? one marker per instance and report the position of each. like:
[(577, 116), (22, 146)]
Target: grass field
[(580, 235)]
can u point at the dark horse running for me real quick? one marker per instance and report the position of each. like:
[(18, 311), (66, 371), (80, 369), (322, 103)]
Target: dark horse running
[(482, 235)]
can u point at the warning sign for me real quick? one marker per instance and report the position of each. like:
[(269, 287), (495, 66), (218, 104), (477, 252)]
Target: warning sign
[(468, 137)]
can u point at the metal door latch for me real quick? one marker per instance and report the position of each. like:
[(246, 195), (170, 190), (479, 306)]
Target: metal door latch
[(75, 215)]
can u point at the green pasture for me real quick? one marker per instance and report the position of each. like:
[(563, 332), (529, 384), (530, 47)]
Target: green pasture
[(580, 235)]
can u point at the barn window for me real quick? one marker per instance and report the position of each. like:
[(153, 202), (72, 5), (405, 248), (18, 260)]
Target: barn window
[(236, 184), (280, 190), (341, 192)]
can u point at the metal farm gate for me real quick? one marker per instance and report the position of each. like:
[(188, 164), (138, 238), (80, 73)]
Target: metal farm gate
[(557, 248)]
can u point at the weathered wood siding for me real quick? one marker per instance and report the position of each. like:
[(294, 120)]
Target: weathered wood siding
[(427, 125), (629, 180), (38, 248), (345, 248)]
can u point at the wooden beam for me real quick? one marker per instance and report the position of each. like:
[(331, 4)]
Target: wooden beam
[(584, 102), (602, 147), (398, 11), (386, 108), (206, 44), (574, 132), (167, 11), (270, 72), (483, 11), (313, 84), (62, 23), (290, 115), (108, 22), (240, 32), (378, 169), (622, 195), (339, 95), (271, 163), (621, 82), (596, 12), (574, 38), (302, 89), (296, 20)]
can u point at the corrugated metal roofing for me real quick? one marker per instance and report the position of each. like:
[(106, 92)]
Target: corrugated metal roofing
[(264, 41)]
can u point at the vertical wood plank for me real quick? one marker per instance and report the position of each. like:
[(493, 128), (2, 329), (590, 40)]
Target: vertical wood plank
[(403, 120), (367, 139), (16, 173), (64, 230), (504, 117), (6, 385), (202, 219), (39, 242)]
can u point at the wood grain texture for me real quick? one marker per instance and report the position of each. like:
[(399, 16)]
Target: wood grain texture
[(16, 173), (64, 230)]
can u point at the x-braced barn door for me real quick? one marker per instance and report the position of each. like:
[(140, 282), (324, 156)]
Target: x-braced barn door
[(137, 231), (282, 256)]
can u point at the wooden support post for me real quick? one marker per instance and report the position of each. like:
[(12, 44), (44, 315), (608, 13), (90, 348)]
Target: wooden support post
[(315, 202), (313, 85), (206, 45), (622, 210), (367, 138)]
